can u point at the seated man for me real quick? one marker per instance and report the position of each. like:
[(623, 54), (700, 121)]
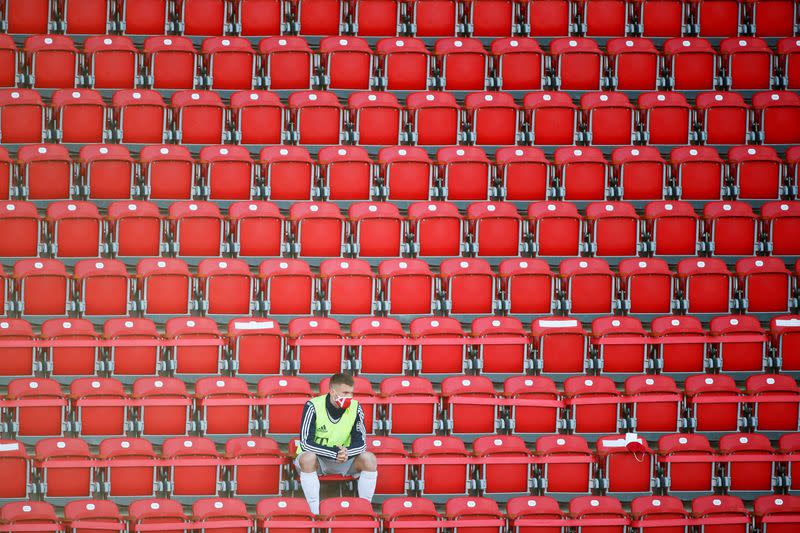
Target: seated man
[(333, 441)]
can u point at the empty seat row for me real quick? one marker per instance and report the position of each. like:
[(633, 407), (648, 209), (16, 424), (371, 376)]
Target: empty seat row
[(499, 466), (398, 173), (407, 406), (462, 286), (403, 64), (370, 119), (403, 17)]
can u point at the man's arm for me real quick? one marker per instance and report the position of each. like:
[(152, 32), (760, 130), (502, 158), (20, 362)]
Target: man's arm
[(358, 436), (307, 433)]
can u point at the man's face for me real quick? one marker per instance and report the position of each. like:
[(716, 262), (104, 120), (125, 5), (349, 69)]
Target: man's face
[(341, 394)]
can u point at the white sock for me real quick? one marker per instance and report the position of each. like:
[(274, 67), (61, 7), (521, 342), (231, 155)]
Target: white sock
[(366, 484), (310, 483)]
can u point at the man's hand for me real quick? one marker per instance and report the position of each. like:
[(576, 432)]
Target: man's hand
[(342, 455)]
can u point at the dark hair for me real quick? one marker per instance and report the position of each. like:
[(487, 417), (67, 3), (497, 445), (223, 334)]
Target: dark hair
[(341, 379)]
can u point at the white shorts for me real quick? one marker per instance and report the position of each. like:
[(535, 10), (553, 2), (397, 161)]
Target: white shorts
[(327, 466)]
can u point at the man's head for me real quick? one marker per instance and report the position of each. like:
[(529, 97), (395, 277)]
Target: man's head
[(341, 390)]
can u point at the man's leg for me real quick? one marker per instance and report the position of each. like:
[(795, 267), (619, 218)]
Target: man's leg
[(309, 480), (367, 465)]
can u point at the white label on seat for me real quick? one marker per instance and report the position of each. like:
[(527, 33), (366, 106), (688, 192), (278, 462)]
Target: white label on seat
[(33, 385), (778, 501), (650, 381), (458, 44), (528, 382), (742, 43), (284, 151), (99, 266), (192, 207), (407, 504), (498, 442), (252, 207), (551, 207), (226, 42), (661, 97), (61, 444), (190, 323), (437, 443), (282, 42), (253, 325), (124, 444), (531, 503), (717, 501), (155, 505), (514, 43), (342, 151), (164, 151), (718, 97), (312, 97), (223, 151), (459, 152), (490, 207), (15, 95), (220, 383), (558, 323), (95, 384), (345, 504), (429, 97), (3, 325), (11, 207), (628, 43), (254, 96), (282, 383), (692, 152), (168, 42), (751, 151), (9, 447), (158, 384), (683, 440), (609, 207), (470, 503), (402, 151), (42, 150), (759, 263), (675, 322), (377, 443), (434, 323), (573, 43), (561, 442), (195, 96), (103, 150), (402, 264), (615, 323), (405, 383), (775, 97), (686, 43), (578, 152), (372, 208), (546, 97), (523, 264), (488, 97), (375, 323), (90, 507), (465, 382), (26, 508), (709, 381), (495, 323), (223, 264), (66, 325), (726, 207), (588, 382), (218, 505), (518, 152), (314, 208), (399, 43), (188, 444), (161, 264), (734, 322), (48, 40), (701, 264), (594, 503), (788, 322), (583, 264), (38, 265), (656, 503), (283, 265), (770, 381), (634, 152), (313, 323), (603, 97), (344, 264), (72, 207), (642, 264), (432, 207), (463, 264), (282, 504)]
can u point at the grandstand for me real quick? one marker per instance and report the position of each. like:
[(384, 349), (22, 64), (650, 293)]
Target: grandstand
[(557, 243)]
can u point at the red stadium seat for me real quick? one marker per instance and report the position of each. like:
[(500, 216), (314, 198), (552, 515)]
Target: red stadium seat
[(154, 511), (716, 412), (555, 113), (197, 228), (465, 172), (528, 285), (439, 359), (660, 415), (22, 116), (28, 17), (466, 509), (756, 172), (776, 512), (691, 62), (602, 414), (634, 63), (317, 116), (46, 171), (523, 173), (774, 413), (778, 114), (577, 63), (347, 62), (601, 507), (72, 482), (132, 360), (31, 419), (748, 62), (170, 417), (434, 118), (348, 286), (376, 359), (258, 116), (171, 62), (82, 513), (787, 60), (191, 360), (145, 17), (257, 228), (346, 172), (226, 286), (463, 63), (130, 480), (288, 171), (625, 471), (135, 228), (465, 418), (531, 508), (492, 18), (257, 345), (751, 476), (318, 228), (140, 115), (641, 172), (287, 286), (376, 117), (198, 117), (76, 229), (254, 479), (648, 284), (112, 61), (556, 227), (739, 356), (519, 63), (416, 408), (202, 17), (68, 361), (403, 62), (319, 17), (588, 284), (197, 479), (448, 479), (108, 171), (620, 359), (666, 117), (228, 172), (230, 62), (377, 18), (17, 361), (706, 284), (731, 227), (260, 17), (613, 228), (284, 419), (501, 359), (52, 61), (407, 286), (317, 359), (560, 343), (42, 286), (80, 115), (406, 509), (434, 19), (468, 284), (210, 510), (570, 475), (765, 283), (718, 17), (164, 286), (528, 418), (779, 220), (609, 118), (20, 229), (102, 287), (724, 117), (223, 419), (287, 62), (437, 228), (377, 229), (277, 509), (698, 171), (493, 118), (496, 227), (582, 172)]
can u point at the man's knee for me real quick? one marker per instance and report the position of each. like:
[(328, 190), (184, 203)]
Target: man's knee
[(307, 462), (367, 461)]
